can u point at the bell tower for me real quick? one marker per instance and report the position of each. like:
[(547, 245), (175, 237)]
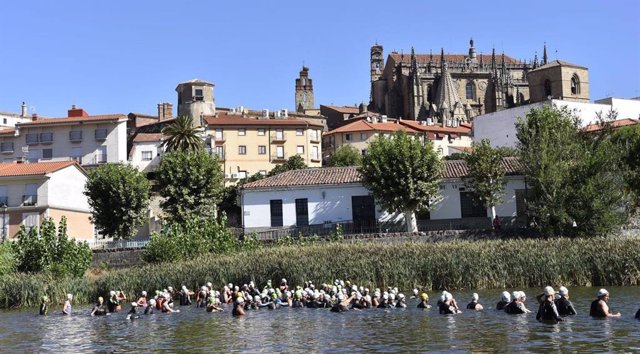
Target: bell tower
[(377, 62), (304, 91)]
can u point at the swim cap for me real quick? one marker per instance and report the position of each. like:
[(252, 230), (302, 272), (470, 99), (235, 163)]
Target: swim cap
[(184, 287), (209, 285), (548, 291), (392, 296), (152, 302), (522, 294), (505, 296), (341, 296), (170, 288), (69, 297), (415, 292), (602, 292), (45, 298), (424, 296), (475, 297), (448, 296), (283, 280), (112, 293), (134, 304), (100, 299), (515, 294), (211, 299), (385, 295), (563, 291), (239, 300), (144, 293), (400, 296)]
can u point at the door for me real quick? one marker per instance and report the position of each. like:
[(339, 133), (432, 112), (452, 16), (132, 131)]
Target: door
[(302, 212), (280, 152), (276, 212), (364, 212), (279, 134), (469, 208)]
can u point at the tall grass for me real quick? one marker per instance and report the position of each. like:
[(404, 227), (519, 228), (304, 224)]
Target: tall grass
[(454, 265)]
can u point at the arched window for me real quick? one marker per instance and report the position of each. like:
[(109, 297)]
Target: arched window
[(304, 97), (547, 88), (471, 92), (575, 85)]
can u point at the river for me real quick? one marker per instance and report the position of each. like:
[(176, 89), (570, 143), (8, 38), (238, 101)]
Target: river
[(309, 330)]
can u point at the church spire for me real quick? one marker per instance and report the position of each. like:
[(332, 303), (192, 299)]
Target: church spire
[(494, 66), (544, 54), (442, 58), (535, 60), (447, 100)]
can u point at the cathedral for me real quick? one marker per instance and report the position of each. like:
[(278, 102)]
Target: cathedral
[(453, 88)]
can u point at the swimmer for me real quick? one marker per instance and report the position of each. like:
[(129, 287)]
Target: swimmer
[(600, 306), (401, 302), (213, 304), (424, 301), (142, 300), (516, 306), (238, 307), (474, 304), (98, 309), (132, 315), (416, 294), (44, 305), (638, 315), (66, 308), (167, 304), (150, 307), (504, 301), (449, 306), (564, 306), (547, 312), (185, 296), (114, 304)]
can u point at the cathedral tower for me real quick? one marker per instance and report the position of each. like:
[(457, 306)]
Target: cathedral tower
[(304, 91), (377, 62)]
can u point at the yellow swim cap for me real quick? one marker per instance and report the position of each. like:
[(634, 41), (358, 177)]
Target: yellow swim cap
[(424, 296)]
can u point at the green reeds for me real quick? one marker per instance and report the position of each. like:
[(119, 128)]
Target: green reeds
[(449, 265)]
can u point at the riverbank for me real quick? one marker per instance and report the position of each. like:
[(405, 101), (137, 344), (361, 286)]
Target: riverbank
[(433, 266)]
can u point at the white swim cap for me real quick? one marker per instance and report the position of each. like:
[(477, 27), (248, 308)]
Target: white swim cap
[(506, 296), (400, 296), (548, 291), (448, 296), (522, 294), (112, 293), (239, 300), (209, 285), (69, 297), (144, 293), (563, 291), (385, 296), (602, 292), (341, 296), (475, 297), (515, 294), (392, 296), (415, 292), (152, 302), (134, 304), (283, 280), (170, 288)]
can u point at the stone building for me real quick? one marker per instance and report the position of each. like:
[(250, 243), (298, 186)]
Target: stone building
[(196, 99), (454, 88)]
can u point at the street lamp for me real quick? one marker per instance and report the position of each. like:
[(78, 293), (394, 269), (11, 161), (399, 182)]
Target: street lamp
[(4, 222)]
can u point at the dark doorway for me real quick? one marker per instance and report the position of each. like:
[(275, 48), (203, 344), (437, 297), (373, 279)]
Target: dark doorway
[(302, 212), (364, 211), (276, 213), (469, 207)]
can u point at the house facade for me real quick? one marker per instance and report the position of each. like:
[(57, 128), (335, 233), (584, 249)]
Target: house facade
[(30, 192), (146, 151), (246, 145), (335, 195)]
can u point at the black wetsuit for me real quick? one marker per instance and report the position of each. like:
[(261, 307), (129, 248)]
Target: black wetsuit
[(565, 307), (472, 305), (185, 299), (501, 305), (423, 305), (548, 312), (514, 308), (99, 310), (596, 310), (149, 310), (111, 305), (638, 315), (43, 309), (446, 309), (132, 314)]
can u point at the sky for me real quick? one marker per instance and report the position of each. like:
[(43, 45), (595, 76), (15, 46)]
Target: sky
[(126, 56)]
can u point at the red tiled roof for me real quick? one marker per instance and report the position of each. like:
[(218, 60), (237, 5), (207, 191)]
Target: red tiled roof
[(344, 175), (466, 149), (615, 124), (99, 118), (223, 119), (423, 59), (33, 169), (344, 109), (362, 126), (7, 131), (557, 63), (148, 137), (461, 129)]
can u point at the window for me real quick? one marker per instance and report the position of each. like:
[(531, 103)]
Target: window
[(47, 154), (299, 132), (242, 131), (4, 197), (4, 120), (261, 131), (6, 147), (5, 226), (32, 138), (302, 212), (76, 154), (242, 174), (470, 91), (279, 134), (147, 155), (46, 138), (276, 212), (280, 152), (262, 149), (30, 220), (263, 172), (347, 137), (33, 155), (364, 152), (300, 150), (363, 136), (242, 149), (469, 207), (101, 154), (220, 153), (575, 85), (198, 95), (30, 196), (315, 154), (547, 88), (101, 134), (219, 134), (75, 135)]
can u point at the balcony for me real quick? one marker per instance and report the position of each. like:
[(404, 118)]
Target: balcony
[(29, 200), (278, 157), (32, 138), (101, 134), (6, 148), (75, 136), (46, 138), (315, 158), (219, 155), (218, 139), (276, 137), (314, 138)]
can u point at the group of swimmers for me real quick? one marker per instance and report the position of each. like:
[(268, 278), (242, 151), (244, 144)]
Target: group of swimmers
[(340, 296)]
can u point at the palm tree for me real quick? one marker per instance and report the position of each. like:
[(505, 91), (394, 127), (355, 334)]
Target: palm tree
[(181, 135)]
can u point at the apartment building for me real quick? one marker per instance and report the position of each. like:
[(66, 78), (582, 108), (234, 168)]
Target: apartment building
[(8, 120), (146, 151), (89, 140), (30, 192), (246, 145)]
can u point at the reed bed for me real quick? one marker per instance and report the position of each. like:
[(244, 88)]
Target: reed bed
[(457, 265)]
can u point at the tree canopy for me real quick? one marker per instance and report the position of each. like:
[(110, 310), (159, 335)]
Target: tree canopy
[(119, 199), (486, 175), (345, 155), (627, 141), (403, 174), (181, 135), (190, 184), (295, 162)]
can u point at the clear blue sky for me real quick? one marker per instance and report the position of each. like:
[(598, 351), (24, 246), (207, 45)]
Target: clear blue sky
[(126, 56)]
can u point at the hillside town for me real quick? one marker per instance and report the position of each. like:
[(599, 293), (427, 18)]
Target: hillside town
[(450, 100)]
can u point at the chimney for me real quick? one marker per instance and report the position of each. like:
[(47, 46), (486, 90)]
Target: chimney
[(362, 108), (23, 113), (75, 112), (165, 111), (34, 117)]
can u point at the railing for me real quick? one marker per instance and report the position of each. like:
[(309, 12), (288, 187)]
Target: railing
[(328, 229), (218, 138), (32, 138), (113, 245), (277, 137), (314, 138), (29, 199), (278, 157)]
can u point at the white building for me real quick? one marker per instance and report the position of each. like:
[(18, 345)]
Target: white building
[(90, 140), (9, 120), (146, 151), (500, 127), (332, 195), (30, 192)]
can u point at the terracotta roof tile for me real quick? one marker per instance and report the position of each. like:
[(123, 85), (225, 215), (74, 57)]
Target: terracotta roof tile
[(362, 125), (557, 63), (344, 109), (98, 118), (148, 137), (345, 175), (7, 132), (461, 129), (423, 59), (615, 124), (32, 169), (223, 119)]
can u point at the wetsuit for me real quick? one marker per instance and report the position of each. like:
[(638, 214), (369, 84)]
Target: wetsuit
[(67, 308), (501, 305), (565, 307), (548, 312), (43, 308), (132, 314), (638, 315), (111, 305), (472, 305), (185, 299), (423, 305), (99, 310), (596, 310), (148, 310), (446, 309), (515, 308)]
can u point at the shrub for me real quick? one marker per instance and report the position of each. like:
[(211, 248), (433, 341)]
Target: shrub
[(7, 259)]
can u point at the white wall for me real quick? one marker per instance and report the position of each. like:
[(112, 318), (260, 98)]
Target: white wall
[(65, 190), (11, 120), (136, 156), (333, 206)]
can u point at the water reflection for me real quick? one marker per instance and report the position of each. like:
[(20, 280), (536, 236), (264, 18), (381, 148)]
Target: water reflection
[(311, 330)]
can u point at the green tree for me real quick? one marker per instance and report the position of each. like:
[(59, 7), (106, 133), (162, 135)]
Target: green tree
[(486, 175), (181, 135), (345, 155), (577, 189), (295, 162), (627, 141), (190, 183), (403, 174), (119, 199)]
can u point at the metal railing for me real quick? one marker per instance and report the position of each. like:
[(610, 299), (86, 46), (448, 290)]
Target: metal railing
[(278, 157), (29, 199), (327, 230), (120, 244), (274, 136)]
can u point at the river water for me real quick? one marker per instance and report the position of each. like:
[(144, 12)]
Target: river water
[(311, 330)]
